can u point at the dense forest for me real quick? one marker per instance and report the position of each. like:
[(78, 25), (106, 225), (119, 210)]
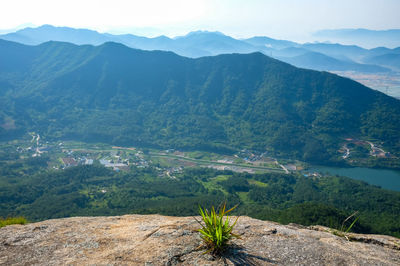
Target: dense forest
[(29, 189), (114, 94)]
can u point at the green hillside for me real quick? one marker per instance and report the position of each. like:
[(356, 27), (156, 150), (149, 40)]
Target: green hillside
[(114, 94), (29, 189)]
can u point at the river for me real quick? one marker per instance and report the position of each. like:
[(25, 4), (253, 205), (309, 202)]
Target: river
[(388, 179)]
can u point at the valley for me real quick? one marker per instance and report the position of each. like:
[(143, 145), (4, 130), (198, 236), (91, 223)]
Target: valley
[(69, 178), (64, 154), (109, 130), (388, 83), (167, 163)]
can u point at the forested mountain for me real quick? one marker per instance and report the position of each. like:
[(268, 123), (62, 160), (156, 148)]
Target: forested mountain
[(205, 43), (115, 94), (319, 61)]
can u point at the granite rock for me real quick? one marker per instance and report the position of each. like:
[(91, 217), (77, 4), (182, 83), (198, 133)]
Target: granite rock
[(162, 240)]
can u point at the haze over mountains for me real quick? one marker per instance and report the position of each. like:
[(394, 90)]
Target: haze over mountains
[(362, 37), (109, 93), (318, 56)]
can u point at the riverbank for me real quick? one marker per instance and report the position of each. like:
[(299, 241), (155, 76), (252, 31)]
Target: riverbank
[(385, 178)]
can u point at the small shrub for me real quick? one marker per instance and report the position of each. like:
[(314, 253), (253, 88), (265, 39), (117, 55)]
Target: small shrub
[(215, 230), (12, 220)]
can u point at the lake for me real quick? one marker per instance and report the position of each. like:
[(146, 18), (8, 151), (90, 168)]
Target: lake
[(388, 179)]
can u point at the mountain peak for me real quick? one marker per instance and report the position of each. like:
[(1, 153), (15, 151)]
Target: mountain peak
[(47, 26), (205, 32), (202, 32), (175, 240)]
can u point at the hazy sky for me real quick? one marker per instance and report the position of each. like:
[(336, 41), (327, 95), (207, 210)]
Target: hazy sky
[(288, 19)]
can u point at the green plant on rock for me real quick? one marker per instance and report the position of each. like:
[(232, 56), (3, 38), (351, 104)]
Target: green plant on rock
[(216, 230), (345, 229), (12, 220)]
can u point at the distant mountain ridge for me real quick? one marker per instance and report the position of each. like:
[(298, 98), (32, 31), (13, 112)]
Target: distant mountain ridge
[(363, 37), (390, 60), (115, 94), (203, 43), (320, 61)]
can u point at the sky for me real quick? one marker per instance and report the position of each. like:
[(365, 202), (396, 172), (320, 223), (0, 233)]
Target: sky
[(284, 19)]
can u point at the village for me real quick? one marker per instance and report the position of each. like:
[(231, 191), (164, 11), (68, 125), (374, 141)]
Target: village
[(355, 148), (64, 154), (169, 162)]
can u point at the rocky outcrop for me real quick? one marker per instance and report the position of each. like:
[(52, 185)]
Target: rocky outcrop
[(161, 240)]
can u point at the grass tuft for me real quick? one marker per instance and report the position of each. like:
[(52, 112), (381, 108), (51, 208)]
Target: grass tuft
[(216, 230), (12, 220), (345, 229)]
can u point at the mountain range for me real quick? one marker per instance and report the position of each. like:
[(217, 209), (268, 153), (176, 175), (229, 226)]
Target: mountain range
[(336, 57), (363, 37), (115, 94)]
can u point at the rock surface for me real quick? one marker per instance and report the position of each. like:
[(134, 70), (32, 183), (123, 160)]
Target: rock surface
[(161, 240)]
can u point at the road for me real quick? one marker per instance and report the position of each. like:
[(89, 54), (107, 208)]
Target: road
[(203, 162), (347, 154), (283, 167), (374, 148)]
